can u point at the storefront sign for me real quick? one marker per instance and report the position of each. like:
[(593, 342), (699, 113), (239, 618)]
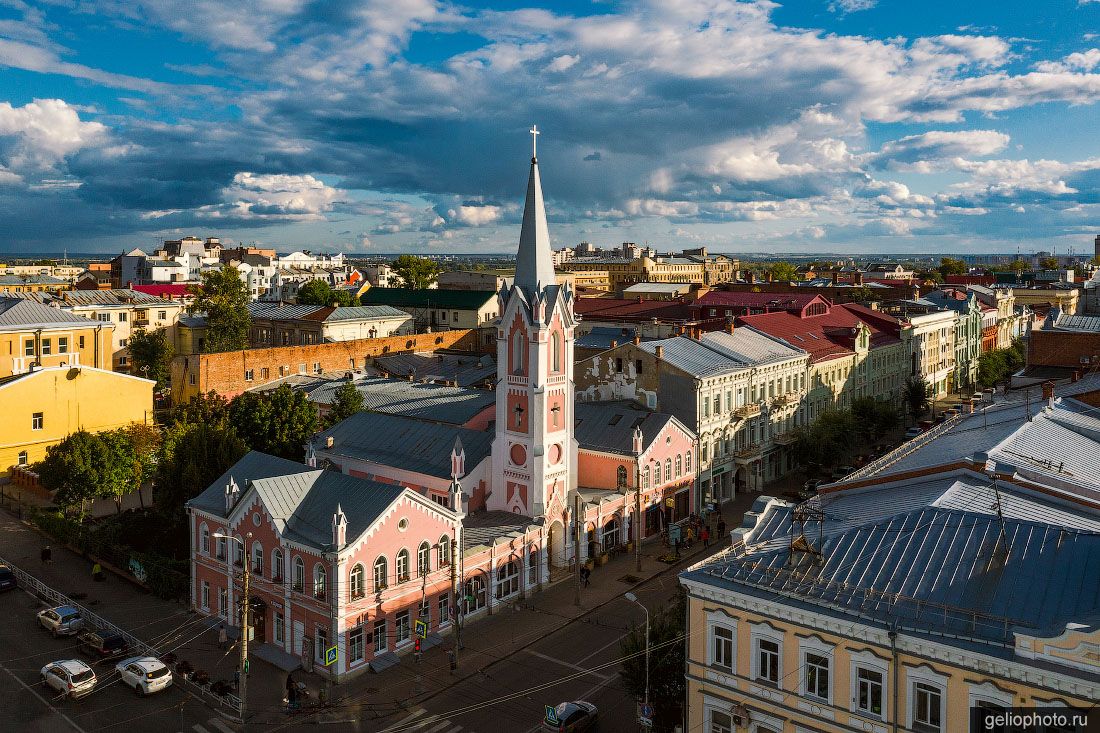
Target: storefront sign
[(718, 470)]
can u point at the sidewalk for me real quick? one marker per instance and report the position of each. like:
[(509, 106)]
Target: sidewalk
[(510, 628)]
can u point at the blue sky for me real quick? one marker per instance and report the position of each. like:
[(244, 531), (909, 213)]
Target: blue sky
[(810, 126)]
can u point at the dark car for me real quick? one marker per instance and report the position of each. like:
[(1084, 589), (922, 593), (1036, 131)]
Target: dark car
[(7, 578), (102, 645), (573, 717)]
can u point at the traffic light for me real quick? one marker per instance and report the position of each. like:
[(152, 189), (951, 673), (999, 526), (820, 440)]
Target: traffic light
[(416, 645)]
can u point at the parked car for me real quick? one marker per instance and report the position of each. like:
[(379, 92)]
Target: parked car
[(573, 717), (912, 432), (61, 621), (103, 645), (145, 674), (71, 677), (841, 471), (7, 578)]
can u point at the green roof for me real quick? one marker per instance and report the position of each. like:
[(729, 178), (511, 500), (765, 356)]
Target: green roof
[(455, 299)]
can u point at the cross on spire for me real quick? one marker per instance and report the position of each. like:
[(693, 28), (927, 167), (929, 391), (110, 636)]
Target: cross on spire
[(534, 140)]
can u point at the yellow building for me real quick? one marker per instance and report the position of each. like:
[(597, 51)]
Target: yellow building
[(693, 266), (934, 581), (33, 284), (42, 407), (32, 333)]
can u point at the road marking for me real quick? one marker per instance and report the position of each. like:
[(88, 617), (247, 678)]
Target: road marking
[(199, 729), (611, 643), (415, 714), (583, 696), (410, 722), (221, 726), (439, 727), (456, 729), (43, 700), (564, 663)]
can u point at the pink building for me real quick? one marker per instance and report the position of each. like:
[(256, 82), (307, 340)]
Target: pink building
[(395, 518)]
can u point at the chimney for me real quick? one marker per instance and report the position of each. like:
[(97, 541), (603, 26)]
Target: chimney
[(1048, 393), (1076, 375), (660, 352), (614, 344), (339, 528), (835, 275), (232, 493), (730, 328), (857, 278), (637, 339)]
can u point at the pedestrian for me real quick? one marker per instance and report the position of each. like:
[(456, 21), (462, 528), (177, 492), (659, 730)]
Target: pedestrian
[(47, 555), (223, 637), (97, 573), (721, 527), (705, 536), (291, 685), (690, 537), (585, 574)]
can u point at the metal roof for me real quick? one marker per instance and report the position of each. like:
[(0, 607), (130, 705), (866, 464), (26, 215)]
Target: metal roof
[(404, 442), (1087, 324), (115, 297), (466, 369), (434, 298), (609, 426), (600, 337), (23, 313), (647, 287), (933, 570), (482, 528), (750, 346), (721, 352), (365, 313), (427, 401)]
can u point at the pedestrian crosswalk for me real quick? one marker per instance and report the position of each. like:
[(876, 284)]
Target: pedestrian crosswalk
[(420, 722), (214, 725)]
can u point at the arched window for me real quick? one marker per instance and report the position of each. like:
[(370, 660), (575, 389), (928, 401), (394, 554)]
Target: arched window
[(645, 477), (257, 558), (380, 571), (533, 566), (620, 475), (320, 581), (204, 539), (239, 551), (443, 552), (424, 559), (508, 578), (668, 469), (609, 536), (357, 582), (555, 352), (277, 565), (221, 549), (23, 458), (679, 465), (299, 575), (474, 594), (402, 566), (687, 461), (519, 352)]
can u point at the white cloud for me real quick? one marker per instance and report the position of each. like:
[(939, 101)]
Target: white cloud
[(1080, 61), (851, 6), (476, 216), (276, 196), (563, 62), (42, 133), (927, 151)]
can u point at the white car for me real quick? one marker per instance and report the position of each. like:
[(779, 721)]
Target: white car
[(61, 621), (70, 677), (145, 674)]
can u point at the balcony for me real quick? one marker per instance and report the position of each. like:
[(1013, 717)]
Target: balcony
[(750, 410), (747, 455), (784, 438)]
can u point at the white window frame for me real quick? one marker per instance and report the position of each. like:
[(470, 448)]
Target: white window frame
[(871, 663), (204, 539), (402, 558), (768, 633), (987, 692), (356, 649), (204, 595), (223, 602), (357, 587), (718, 619), (814, 645), (926, 676)]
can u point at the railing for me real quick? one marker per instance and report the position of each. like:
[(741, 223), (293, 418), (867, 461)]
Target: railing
[(904, 449), (751, 452), (747, 410), (45, 593), (783, 438)]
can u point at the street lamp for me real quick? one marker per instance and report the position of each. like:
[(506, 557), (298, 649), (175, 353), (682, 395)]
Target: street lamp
[(242, 687), (634, 599)]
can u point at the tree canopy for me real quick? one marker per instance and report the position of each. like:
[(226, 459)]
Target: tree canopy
[(347, 400), (783, 272), (915, 394), (278, 423), (224, 297), (1000, 364), (319, 292), (952, 266), (416, 273), (1048, 263), (151, 355), (191, 457), (667, 687)]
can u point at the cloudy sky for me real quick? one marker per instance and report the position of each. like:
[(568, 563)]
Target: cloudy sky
[(400, 125)]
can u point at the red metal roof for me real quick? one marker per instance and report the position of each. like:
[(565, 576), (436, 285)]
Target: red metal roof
[(620, 309), (166, 290), (829, 335)]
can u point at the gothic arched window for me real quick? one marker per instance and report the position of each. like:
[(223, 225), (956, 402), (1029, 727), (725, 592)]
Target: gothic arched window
[(519, 353)]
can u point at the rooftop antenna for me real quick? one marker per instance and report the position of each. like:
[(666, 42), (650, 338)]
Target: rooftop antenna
[(1002, 540), (801, 514)]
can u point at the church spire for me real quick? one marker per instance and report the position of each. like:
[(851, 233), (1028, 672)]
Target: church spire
[(534, 262)]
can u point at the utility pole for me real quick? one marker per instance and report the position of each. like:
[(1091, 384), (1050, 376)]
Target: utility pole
[(458, 599), (242, 690), (577, 549), (638, 527)]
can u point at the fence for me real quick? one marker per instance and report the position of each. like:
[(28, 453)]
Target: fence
[(45, 593)]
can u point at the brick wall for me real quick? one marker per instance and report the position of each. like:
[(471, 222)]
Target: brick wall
[(1064, 349), (225, 373)]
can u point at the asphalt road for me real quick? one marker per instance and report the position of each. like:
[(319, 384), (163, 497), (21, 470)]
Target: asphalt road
[(29, 705)]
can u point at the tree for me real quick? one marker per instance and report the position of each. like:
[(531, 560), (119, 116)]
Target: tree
[(915, 393), (191, 456), (783, 272), (827, 441), (208, 409), (1019, 266), (952, 266), (667, 687), (862, 294), (151, 354), (1048, 263), (279, 423), (74, 469), (416, 273), (224, 297), (145, 442), (319, 292), (873, 417), (346, 401)]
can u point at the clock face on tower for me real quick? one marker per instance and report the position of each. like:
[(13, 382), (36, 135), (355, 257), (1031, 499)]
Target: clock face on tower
[(555, 454), (518, 454)]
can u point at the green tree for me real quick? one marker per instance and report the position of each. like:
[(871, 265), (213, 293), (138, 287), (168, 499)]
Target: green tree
[(191, 456), (416, 273), (915, 394), (1019, 266), (1048, 263), (862, 294), (122, 476), (346, 401), (827, 441), (873, 418), (783, 272), (952, 266), (667, 687), (145, 442), (209, 409), (224, 297), (74, 469), (278, 423), (151, 354), (319, 292)]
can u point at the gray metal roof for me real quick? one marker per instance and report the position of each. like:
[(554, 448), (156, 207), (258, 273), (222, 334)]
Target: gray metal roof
[(693, 357), (21, 312), (720, 352), (1086, 324), (281, 311), (609, 426), (116, 297), (404, 442), (366, 313), (482, 528), (435, 402), (600, 337), (253, 465), (751, 346), (933, 570), (670, 288), (467, 369)]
